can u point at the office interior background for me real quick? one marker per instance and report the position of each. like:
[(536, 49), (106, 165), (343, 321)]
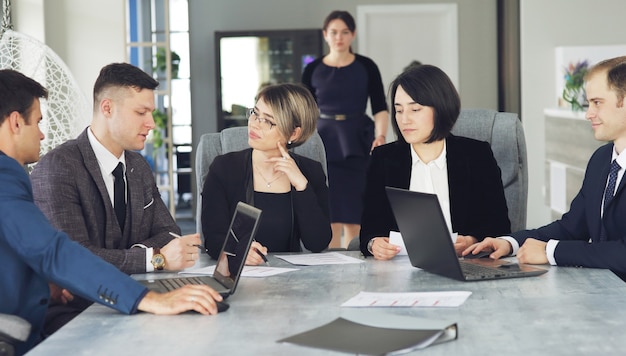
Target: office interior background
[(88, 34)]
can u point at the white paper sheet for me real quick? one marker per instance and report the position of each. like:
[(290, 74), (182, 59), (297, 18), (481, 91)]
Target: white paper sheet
[(314, 259), (248, 271), (418, 299), (395, 238)]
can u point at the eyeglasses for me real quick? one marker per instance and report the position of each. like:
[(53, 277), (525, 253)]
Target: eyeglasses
[(265, 123)]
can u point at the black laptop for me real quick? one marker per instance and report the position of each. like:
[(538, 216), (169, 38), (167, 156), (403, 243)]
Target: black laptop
[(232, 258), (429, 246)]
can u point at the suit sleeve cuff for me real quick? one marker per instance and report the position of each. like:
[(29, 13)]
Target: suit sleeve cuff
[(149, 253), (141, 296), (513, 242), (550, 248)]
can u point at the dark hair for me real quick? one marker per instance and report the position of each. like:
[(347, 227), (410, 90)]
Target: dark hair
[(293, 106), (414, 63), (121, 75), (17, 93), (429, 86), (340, 15), (615, 76)]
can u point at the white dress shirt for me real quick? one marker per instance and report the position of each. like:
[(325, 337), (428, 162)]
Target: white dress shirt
[(432, 177)]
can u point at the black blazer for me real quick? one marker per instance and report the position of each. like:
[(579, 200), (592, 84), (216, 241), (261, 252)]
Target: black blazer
[(582, 222), (230, 180), (477, 203)]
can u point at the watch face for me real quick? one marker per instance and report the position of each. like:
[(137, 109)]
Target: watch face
[(158, 260)]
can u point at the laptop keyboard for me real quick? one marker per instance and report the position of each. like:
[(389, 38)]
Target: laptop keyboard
[(473, 270), (175, 283)]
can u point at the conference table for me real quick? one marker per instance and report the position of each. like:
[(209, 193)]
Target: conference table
[(566, 311)]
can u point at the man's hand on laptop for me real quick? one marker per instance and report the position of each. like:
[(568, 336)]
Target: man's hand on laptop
[(181, 253), (533, 252), (200, 298), (382, 249), (463, 242), (500, 247)]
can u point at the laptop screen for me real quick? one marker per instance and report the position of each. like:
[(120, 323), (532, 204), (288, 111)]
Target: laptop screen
[(236, 245)]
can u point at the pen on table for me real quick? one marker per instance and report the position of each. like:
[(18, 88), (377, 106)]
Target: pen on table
[(195, 245), (262, 256)]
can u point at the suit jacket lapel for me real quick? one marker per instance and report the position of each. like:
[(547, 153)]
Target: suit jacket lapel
[(598, 188), (458, 171), (112, 229), (398, 167), (136, 200)]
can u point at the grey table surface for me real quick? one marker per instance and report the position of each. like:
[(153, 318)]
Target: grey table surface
[(567, 311)]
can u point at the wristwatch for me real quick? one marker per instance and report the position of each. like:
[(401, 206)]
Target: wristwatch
[(370, 243), (158, 260)]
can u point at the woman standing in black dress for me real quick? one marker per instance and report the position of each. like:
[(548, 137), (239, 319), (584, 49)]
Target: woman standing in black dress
[(342, 82)]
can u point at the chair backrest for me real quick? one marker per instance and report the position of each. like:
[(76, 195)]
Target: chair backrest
[(233, 139), (504, 132)]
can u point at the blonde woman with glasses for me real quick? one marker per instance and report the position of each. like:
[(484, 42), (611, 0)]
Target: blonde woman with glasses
[(290, 189)]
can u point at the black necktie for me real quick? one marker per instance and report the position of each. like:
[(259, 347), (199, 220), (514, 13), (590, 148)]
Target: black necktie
[(609, 192), (119, 194)]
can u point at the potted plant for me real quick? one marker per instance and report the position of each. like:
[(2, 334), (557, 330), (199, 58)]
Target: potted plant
[(161, 66), (574, 93), (160, 122)]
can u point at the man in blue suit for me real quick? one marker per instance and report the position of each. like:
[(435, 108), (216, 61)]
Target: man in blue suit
[(33, 253), (593, 232)]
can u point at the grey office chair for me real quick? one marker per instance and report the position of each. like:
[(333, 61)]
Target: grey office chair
[(504, 132), (232, 139), (13, 330)]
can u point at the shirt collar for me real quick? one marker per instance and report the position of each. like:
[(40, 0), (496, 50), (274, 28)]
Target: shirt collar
[(440, 161), (106, 159)]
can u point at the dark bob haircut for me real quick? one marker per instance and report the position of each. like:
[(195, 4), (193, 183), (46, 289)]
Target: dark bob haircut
[(429, 86)]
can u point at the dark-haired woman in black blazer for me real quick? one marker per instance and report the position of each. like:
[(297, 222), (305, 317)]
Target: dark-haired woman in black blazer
[(428, 158)]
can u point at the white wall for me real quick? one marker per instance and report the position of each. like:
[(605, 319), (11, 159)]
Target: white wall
[(86, 34), (28, 16), (544, 26)]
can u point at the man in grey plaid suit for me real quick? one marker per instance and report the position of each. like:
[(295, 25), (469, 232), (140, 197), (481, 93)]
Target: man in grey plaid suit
[(74, 186)]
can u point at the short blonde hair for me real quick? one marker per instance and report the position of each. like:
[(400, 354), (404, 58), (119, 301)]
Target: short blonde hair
[(293, 106)]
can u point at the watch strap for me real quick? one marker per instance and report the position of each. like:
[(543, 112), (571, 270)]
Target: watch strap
[(370, 244)]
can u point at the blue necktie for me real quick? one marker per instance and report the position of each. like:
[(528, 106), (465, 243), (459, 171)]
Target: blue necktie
[(119, 195), (609, 193)]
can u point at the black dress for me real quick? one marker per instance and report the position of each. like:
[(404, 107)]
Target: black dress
[(348, 138)]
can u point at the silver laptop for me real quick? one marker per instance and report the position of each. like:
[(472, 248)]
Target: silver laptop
[(428, 243), (232, 258)]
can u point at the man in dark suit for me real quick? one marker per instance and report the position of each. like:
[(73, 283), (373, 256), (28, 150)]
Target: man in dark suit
[(75, 186), (593, 232), (33, 252)]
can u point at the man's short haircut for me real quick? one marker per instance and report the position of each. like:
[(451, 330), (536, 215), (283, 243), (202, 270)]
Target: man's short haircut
[(121, 75), (17, 93), (616, 75), (429, 86)]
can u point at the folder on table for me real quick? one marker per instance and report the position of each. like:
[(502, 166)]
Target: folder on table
[(376, 333)]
